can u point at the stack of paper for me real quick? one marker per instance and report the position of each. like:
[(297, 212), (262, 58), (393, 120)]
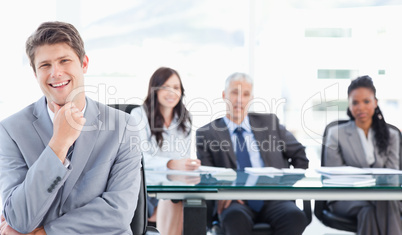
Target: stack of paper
[(383, 171), (342, 170), (220, 173), (350, 170), (213, 169), (273, 171), (355, 181)]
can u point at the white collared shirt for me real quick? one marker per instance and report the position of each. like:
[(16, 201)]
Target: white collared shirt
[(367, 144), (176, 144), (51, 116), (251, 143)]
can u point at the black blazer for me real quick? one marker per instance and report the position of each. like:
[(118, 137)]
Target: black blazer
[(278, 147)]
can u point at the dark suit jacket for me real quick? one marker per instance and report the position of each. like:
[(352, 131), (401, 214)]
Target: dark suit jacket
[(277, 146)]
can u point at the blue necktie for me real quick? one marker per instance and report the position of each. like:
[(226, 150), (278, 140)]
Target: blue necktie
[(243, 159), (70, 152)]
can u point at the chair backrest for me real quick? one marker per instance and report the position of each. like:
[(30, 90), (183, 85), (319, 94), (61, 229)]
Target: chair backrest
[(324, 137), (321, 206), (400, 143), (124, 107), (139, 222)]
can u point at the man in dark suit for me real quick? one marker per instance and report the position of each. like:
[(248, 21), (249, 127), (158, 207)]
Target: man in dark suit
[(242, 139)]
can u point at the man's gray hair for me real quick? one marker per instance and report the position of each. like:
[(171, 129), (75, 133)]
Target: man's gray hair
[(238, 77)]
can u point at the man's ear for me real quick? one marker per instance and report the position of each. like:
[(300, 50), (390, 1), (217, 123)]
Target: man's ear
[(85, 63), (223, 94)]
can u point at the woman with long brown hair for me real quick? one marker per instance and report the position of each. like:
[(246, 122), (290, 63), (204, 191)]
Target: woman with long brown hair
[(165, 128)]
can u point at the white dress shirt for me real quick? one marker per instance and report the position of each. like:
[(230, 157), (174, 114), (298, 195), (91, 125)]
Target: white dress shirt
[(176, 144), (367, 144), (251, 143), (51, 116)]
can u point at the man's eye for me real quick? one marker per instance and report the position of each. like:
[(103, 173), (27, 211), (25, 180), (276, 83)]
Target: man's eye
[(44, 65)]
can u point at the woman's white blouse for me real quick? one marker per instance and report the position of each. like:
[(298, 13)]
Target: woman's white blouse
[(175, 145), (367, 144)]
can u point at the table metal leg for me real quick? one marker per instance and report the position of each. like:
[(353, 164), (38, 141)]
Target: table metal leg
[(194, 217)]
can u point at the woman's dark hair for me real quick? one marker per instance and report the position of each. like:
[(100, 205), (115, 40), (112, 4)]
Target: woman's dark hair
[(152, 106), (379, 125)]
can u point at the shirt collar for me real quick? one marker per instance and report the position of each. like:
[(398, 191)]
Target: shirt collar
[(173, 124), (245, 124), (51, 114), (363, 135)]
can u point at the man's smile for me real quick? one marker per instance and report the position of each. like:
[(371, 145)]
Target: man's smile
[(60, 84)]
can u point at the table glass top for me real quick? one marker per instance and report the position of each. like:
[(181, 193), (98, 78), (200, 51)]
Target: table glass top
[(309, 179)]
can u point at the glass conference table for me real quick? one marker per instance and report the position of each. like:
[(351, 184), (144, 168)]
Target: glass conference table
[(196, 187)]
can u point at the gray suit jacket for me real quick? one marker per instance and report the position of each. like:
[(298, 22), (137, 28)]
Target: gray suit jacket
[(344, 147), (96, 194), (277, 146)]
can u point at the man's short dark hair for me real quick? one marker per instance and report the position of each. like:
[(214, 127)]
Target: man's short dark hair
[(50, 33)]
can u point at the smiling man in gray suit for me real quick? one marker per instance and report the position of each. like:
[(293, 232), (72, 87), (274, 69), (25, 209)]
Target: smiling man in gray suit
[(67, 163), (242, 139)]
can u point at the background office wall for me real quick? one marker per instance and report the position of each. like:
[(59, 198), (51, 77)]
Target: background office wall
[(301, 53)]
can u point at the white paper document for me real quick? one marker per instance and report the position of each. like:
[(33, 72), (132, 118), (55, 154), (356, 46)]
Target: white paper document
[(342, 170), (351, 180), (350, 170), (220, 173), (213, 169), (273, 171), (383, 171)]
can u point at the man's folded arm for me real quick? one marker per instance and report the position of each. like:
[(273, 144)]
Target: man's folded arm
[(27, 193), (111, 212)]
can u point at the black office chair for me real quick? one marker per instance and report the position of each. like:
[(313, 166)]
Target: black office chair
[(139, 223), (124, 107), (321, 209)]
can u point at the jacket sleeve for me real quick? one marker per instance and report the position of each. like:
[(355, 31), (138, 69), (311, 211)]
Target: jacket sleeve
[(294, 150), (28, 192), (332, 149), (204, 151)]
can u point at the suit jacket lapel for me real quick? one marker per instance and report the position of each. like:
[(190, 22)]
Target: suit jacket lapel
[(83, 146), (224, 135), (259, 136), (355, 144), (43, 125)]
